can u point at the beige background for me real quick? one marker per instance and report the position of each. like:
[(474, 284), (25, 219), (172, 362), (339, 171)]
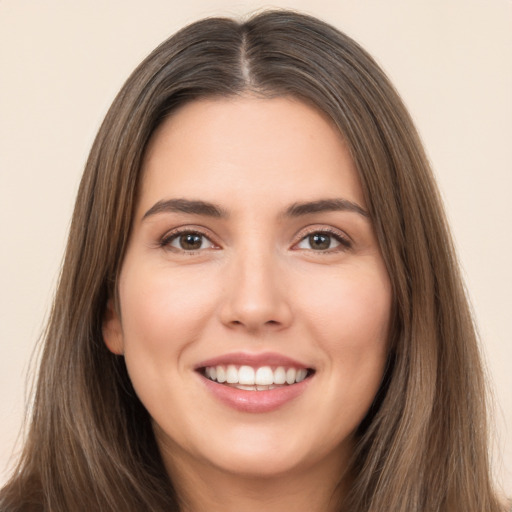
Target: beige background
[(62, 62)]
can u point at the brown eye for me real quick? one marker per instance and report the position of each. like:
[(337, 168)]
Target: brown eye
[(323, 241), (190, 241), (319, 241), (187, 241)]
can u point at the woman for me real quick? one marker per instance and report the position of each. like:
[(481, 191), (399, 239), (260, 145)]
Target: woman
[(260, 305)]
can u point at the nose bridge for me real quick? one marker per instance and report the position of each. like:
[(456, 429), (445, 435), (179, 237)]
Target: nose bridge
[(256, 296)]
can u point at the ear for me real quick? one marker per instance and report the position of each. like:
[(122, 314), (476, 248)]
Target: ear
[(112, 329)]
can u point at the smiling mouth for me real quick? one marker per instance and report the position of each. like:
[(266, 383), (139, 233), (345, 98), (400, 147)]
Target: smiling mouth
[(262, 378)]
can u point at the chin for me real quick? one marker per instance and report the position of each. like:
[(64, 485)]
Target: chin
[(260, 465), (255, 454)]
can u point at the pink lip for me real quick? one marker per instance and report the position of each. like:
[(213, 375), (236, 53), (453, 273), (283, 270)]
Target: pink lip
[(254, 360), (254, 401)]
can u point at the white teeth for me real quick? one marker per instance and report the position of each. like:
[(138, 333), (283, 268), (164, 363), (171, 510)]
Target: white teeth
[(245, 388), (221, 374), (246, 375), (291, 373), (279, 375), (253, 388), (231, 374), (301, 375), (262, 378)]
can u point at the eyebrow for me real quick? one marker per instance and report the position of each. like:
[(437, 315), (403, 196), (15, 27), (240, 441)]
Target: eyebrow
[(194, 207), (325, 205), (197, 207)]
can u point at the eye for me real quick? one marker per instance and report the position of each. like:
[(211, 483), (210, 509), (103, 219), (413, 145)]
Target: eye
[(188, 241), (323, 241)]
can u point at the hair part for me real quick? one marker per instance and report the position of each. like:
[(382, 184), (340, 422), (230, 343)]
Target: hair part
[(422, 445)]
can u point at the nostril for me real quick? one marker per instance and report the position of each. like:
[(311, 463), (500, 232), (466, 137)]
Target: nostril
[(268, 322)]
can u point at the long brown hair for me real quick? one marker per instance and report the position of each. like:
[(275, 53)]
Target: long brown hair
[(423, 444)]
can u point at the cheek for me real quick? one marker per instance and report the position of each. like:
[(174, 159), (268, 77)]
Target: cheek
[(349, 317), (163, 309), (352, 306), (163, 313)]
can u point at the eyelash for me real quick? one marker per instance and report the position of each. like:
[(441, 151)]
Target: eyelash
[(344, 243), (166, 241), (343, 240)]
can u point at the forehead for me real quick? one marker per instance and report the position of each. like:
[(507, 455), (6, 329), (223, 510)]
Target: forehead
[(248, 148)]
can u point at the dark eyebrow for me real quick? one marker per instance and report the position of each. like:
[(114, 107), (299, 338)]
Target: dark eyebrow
[(325, 205), (186, 206)]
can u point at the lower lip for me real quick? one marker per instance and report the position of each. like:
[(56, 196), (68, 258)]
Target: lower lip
[(255, 401)]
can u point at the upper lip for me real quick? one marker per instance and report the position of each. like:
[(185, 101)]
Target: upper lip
[(255, 360)]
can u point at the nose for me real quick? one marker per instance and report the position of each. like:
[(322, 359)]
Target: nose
[(256, 296)]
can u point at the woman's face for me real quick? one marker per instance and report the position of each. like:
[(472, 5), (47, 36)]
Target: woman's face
[(254, 301)]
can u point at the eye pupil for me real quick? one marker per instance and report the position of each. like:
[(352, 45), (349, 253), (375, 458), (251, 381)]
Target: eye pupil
[(319, 241), (191, 241)]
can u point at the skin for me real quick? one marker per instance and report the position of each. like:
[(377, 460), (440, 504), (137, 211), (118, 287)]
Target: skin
[(257, 283)]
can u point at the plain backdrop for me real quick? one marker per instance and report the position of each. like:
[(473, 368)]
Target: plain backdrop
[(61, 63)]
